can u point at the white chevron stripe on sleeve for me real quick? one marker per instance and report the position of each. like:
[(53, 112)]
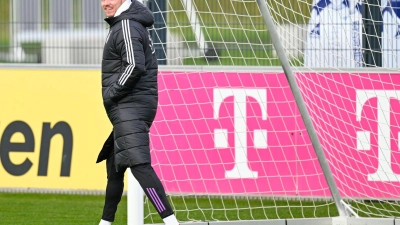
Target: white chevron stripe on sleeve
[(129, 52)]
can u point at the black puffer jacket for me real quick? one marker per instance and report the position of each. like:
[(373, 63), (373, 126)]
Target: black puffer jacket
[(129, 86)]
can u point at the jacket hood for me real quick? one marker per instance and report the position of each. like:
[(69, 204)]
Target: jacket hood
[(137, 12)]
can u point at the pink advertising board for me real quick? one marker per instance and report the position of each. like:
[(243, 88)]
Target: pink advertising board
[(241, 133)]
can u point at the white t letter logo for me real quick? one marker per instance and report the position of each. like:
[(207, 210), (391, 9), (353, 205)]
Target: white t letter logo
[(241, 168), (384, 171)]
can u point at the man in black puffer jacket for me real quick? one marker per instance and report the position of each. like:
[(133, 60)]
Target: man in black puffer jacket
[(130, 96)]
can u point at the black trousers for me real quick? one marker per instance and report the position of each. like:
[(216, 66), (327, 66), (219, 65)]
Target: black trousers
[(147, 178)]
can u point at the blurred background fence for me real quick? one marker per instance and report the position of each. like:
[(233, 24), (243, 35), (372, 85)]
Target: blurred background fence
[(73, 31)]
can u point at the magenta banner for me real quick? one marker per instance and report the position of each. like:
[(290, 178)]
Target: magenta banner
[(241, 133)]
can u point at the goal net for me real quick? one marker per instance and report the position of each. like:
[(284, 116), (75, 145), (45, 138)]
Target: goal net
[(229, 141)]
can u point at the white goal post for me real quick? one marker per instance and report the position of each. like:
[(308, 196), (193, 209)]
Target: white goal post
[(294, 120)]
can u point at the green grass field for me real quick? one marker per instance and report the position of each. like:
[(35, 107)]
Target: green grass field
[(68, 209), (50, 209), (226, 22), (47, 209)]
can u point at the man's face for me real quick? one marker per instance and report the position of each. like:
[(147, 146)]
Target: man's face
[(110, 7)]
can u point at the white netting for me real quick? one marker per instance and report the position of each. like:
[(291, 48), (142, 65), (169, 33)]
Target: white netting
[(354, 110), (229, 142)]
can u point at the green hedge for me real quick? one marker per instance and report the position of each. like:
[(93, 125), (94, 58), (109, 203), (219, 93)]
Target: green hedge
[(4, 25)]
